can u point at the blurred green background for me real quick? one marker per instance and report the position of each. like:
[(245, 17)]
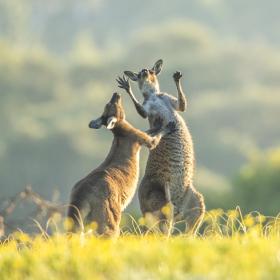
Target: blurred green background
[(58, 64)]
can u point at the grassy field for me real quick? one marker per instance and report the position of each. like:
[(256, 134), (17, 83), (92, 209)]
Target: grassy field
[(229, 247)]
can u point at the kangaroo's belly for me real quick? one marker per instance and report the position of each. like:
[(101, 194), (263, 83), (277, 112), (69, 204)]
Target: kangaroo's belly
[(157, 108), (172, 161)]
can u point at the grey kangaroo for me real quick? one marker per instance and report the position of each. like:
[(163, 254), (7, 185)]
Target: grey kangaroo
[(104, 193), (170, 167)]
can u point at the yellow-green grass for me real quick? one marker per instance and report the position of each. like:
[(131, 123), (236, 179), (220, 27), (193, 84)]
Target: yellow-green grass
[(229, 247)]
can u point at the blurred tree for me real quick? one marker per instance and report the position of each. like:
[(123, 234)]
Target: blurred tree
[(257, 185)]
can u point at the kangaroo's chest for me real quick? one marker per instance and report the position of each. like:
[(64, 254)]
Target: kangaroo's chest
[(130, 189), (157, 107)]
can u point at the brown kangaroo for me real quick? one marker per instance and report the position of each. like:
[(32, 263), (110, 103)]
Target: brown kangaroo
[(102, 195), (169, 171)]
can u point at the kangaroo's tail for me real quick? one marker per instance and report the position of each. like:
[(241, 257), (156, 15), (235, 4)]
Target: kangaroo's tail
[(76, 216)]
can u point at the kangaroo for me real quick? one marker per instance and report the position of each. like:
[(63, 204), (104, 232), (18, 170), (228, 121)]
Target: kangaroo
[(169, 171), (103, 194)]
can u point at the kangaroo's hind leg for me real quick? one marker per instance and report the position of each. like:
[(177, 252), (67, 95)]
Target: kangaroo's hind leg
[(106, 216), (154, 202), (151, 195), (193, 210)]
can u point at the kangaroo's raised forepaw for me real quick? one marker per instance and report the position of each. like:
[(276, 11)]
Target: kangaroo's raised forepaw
[(154, 142), (177, 76), (171, 127), (123, 83)]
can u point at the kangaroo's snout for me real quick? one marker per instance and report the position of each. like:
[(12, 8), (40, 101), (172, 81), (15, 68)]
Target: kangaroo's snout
[(95, 123), (145, 73)]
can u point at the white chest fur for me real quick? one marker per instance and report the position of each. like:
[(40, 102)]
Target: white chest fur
[(155, 105)]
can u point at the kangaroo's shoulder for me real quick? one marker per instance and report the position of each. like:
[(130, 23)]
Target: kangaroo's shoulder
[(158, 98), (166, 96), (164, 99)]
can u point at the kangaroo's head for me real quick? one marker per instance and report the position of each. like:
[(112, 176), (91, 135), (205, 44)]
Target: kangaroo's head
[(147, 78), (112, 115)]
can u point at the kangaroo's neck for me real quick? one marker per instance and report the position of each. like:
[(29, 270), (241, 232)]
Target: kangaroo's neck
[(149, 89), (123, 147), (122, 129)]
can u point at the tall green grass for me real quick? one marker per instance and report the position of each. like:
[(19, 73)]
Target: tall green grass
[(229, 246)]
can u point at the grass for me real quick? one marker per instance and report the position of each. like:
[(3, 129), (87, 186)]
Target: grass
[(230, 246)]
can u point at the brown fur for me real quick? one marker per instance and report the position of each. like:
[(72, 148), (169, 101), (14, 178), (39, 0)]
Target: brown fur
[(152, 77), (102, 195)]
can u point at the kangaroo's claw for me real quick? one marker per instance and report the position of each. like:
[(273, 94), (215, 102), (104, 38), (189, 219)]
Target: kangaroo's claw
[(177, 76), (154, 142), (123, 83)]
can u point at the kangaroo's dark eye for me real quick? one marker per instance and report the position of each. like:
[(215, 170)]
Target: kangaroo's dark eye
[(151, 71)]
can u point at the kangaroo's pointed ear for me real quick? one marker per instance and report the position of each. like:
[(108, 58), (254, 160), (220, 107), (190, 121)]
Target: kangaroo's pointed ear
[(158, 66), (116, 98), (131, 75)]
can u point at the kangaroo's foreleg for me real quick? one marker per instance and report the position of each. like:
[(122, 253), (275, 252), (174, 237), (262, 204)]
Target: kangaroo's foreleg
[(149, 141), (124, 84), (152, 141), (181, 101)]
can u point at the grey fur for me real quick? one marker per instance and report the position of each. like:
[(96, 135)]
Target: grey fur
[(172, 161)]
